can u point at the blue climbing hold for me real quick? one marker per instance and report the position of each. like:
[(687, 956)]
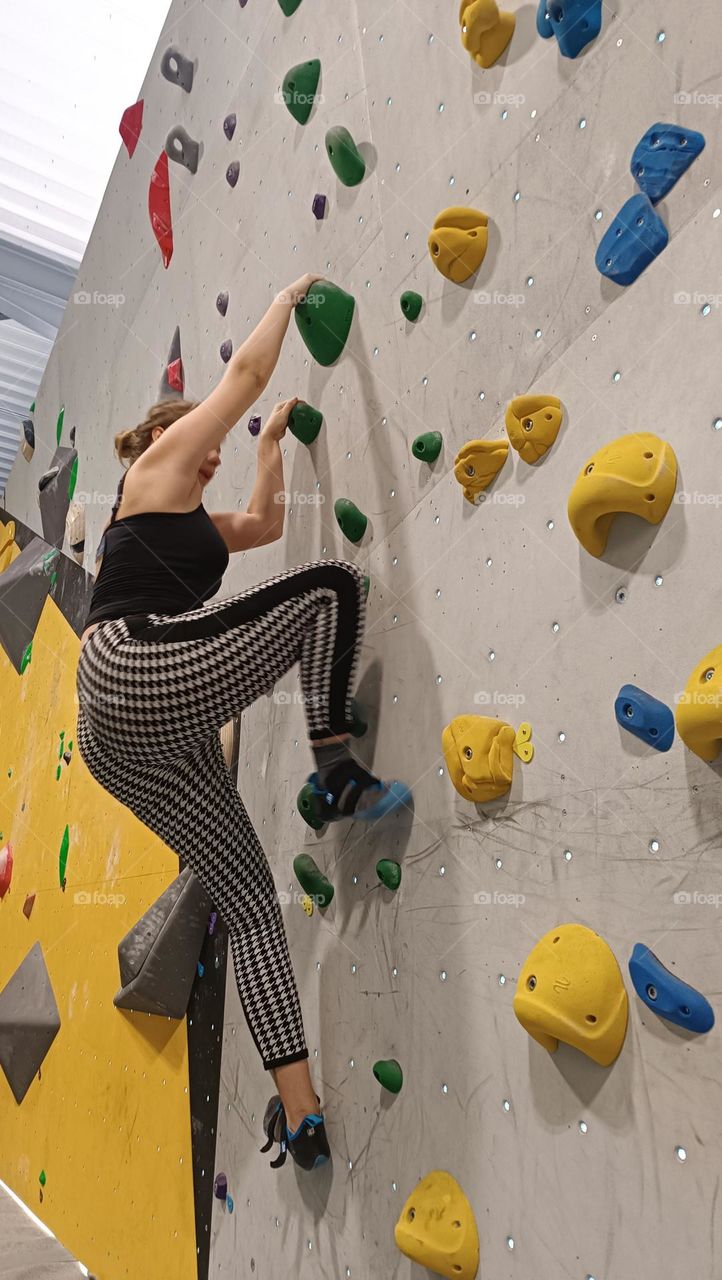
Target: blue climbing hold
[(667, 995), (636, 237), (575, 23), (661, 157), (644, 716)]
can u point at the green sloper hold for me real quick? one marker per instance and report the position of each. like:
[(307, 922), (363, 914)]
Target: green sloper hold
[(428, 446), (389, 873), (389, 1074), (411, 304), (352, 521), (73, 478), (304, 422), (289, 6), (324, 319), (63, 856), (312, 880), (299, 89), (346, 160), (59, 425), (304, 804)]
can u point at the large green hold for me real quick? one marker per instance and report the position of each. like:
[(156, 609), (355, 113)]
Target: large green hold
[(324, 319), (304, 422), (312, 880), (289, 6), (411, 304), (306, 808), (389, 873), (389, 1074), (299, 89), (352, 521), (427, 447), (347, 162)]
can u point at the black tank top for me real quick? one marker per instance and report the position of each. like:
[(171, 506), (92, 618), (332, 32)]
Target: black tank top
[(157, 562)]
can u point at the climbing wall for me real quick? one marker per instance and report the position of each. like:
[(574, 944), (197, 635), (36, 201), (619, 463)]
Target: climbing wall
[(493, 609)]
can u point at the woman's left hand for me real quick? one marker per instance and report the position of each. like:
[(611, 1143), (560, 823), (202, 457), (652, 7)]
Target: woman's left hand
[(277, 422)]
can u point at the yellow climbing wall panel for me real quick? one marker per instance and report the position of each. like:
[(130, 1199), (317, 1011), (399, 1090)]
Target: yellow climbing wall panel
[(108, 1118)]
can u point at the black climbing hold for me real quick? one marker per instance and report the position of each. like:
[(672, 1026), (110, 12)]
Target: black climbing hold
[(177, 68), (229, 125), (222, 303), (319, 206), (232, 173), (181, 147), (226, 350), (254, 425)]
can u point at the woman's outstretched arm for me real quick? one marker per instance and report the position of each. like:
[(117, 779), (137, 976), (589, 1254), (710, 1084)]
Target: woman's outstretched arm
[(262, 521)]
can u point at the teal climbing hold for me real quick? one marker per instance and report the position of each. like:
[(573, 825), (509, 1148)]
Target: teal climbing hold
[(346, 160), (389, 1074), (312, 880), (324, 320), (289, 6), (304, 422), (411, 304), (352, 521), (389, 873), (306, 808), (299, 89), (427, 447)]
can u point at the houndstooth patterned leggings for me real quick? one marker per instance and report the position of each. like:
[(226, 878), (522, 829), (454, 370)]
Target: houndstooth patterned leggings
[(155, 690)]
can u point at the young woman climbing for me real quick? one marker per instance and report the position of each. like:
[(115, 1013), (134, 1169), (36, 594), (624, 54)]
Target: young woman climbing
[(161, 671)]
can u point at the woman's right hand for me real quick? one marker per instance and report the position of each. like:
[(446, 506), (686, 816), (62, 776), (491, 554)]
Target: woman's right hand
[(296, 292), (277, 421)]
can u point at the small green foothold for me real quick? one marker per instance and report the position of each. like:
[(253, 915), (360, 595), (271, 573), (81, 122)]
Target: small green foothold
[(411, 304), (289, 6), (42, 1179), (367, 585), (346, 160), (324, 320), (304, 422), (352, 521), (389, 1074), (59, 427), (63, 859), (312, 880), (299, 89), (73, 478), (26, 658), (32, 407), (428, 446), (357, 725), (58, 772), (304, 804), (389, 873)]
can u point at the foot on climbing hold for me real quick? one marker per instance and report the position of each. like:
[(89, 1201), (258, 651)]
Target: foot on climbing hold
[(346, 160), (635, 474), (304, 422), (699, 709), (177, 68), (318, 207), (299, 89), (479, 753), (131, 124), (411, 304), (159, 208), (570, 989), (353, 792), (389, 1074), (477, 463), (533, 423), (324, 320), (661, 157), (485, 30), (427, 447), (351, 521), (289, 6), (312, 880), (645, 717), (180, 146), (389, 873), (635, 238), (229, 125), (437, 1228), (458, 242), (575, 23), (666, 994), (306, 807)]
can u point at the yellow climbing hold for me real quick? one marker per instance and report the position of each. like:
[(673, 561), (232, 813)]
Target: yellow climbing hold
[(458, 242), (9, 550), (477, 463), (479, 754), (699, 710), (636, 473), (533, 424), (523, 745), (571, 989), (485, 30), (307, 904), (437, 1228)]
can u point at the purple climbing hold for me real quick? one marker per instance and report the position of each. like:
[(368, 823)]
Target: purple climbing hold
[(222, 303), (212, 922), (232, 173), (254, 425), (319, 206), (226, 350), (220, 1186), (229, 125), (243, 3)]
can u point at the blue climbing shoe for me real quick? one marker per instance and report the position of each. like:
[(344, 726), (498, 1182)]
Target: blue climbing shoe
[(351, 791), (308, 1144)]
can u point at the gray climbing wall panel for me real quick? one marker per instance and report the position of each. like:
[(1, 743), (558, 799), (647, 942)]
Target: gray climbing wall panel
[(572, 1170)]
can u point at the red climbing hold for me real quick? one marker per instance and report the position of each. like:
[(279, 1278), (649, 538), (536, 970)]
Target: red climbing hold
[(6, 869), (28, 905), (175, 375), (159, 208), (131, 123)]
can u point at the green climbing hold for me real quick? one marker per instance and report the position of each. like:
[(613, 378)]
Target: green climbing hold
[(306, 808), (289, 6), (411, 304), (304, 422), (63, 859), (346, 160), (324, 319), (42, 1178), (26, 658), (357, 725), (389, 873), (312, 880), (299, 89), (389, 1074), (427, 447), (32, 407), (352, 521), (367, 585), (59, 426), (73, 478)]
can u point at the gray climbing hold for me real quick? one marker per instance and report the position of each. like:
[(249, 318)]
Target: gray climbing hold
[(180, 146), (29, 1022), (171, 383), (226, 350), (232, 173), (222, 302), (54, 497), (158, 957), (46, 477), (229, 125), (177, 68), (24, 588)]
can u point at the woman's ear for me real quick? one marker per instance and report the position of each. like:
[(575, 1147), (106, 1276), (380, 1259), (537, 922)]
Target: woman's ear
[(156, 433)]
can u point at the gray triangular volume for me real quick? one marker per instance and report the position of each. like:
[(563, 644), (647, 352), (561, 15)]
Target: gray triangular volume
[(29, 1022), (158, 957), (24, 586), (167, 392), (54, 499)]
